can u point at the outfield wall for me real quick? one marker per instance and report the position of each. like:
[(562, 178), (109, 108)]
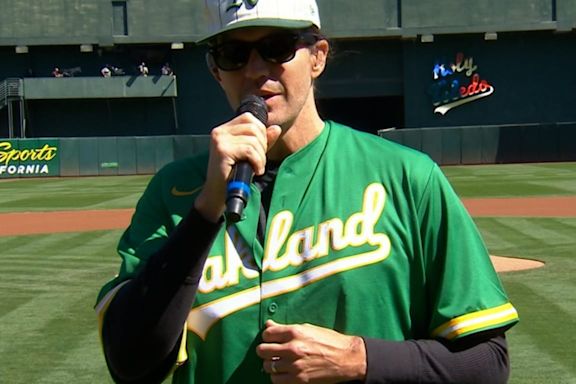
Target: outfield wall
[(491, 144), (94, 156), (100, 156)]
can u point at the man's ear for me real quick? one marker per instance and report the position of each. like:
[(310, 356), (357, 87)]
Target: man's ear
[(319, 57), (212, 67)]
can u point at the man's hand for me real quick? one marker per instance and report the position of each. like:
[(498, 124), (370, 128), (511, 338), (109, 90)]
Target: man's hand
[(305, 353), (243, 138)]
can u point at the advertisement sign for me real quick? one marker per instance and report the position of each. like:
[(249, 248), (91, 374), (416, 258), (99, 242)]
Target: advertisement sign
[(458, 82), (29, 158)]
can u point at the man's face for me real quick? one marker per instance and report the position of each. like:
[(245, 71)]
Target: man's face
[(285, 86)]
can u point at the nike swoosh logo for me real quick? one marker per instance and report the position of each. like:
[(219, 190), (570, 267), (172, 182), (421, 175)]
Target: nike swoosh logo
[(176, 192)]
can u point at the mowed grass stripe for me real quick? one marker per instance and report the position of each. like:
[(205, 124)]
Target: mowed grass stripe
[(51, 326), (530, 364), (47, 244), (547, 323), (50, 341), (494, 236), (58, 260), (54, 279), (29, 321), (536, 236), (66, 261), (71, 193), (491, 172), (80, 274), (89, 353), (551, 286), (14, 297), (51, 311), (8, 244), (97, 244), (29, 309), (509, 231), (541, 344), (512, 180), (567, 226), (527, 239), (546, 232)]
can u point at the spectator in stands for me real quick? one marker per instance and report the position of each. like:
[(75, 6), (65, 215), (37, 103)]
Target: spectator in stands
[(57, 72), (143, 69), (167, 70), (105, 71)]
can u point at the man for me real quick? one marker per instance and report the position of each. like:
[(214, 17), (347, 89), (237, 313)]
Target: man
[(167, 70), (354, 262), (105, 71), (143, 69), (56, 72)]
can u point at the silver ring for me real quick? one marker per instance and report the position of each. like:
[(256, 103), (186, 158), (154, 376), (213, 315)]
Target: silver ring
[(273, 364)]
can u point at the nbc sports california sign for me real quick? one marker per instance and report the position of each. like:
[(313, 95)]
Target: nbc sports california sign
[(29, 158)]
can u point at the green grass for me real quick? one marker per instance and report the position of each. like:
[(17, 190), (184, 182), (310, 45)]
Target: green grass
[(48, 283), (542, 344), (55, 194), (48, 330), (513, 180)]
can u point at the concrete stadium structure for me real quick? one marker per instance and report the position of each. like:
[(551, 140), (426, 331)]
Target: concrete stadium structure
[(468, 82)]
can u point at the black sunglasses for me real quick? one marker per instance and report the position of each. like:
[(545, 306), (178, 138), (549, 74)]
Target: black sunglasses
[(277, 48)]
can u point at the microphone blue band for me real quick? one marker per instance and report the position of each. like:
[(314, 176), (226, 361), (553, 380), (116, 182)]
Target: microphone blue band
[(239, 185)]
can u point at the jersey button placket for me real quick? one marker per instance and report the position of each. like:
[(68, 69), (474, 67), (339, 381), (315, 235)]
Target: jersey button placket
[(272, 308)]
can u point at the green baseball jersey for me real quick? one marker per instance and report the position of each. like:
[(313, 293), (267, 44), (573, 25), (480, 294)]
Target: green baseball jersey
[(363, 236)]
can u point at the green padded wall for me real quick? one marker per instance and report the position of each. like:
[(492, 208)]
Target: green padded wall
[(491, 144)]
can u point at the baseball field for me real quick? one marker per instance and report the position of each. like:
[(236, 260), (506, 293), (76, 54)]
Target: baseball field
[(57, 247)]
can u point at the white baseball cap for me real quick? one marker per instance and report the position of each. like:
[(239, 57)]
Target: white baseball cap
[(226, 15)]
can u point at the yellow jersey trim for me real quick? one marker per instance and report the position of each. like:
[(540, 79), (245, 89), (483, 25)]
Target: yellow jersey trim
[(477, 321), (103, 305), (182, 352)]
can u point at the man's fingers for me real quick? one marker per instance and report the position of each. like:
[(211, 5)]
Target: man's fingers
[(278, 333), (274, 365), (274, 333), (248, 124), (270, 323), (273, 133)]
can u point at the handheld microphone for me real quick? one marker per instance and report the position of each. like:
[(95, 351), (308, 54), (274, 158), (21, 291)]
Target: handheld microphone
[(238, 190)]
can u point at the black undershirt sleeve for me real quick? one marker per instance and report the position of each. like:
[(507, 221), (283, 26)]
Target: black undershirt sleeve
[(143, 324), (472, 360)]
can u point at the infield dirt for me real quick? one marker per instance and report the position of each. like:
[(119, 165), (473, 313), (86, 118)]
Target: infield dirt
[(26, 223)]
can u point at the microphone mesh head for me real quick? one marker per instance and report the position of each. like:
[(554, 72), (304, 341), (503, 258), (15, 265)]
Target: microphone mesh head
[(256, 106)]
